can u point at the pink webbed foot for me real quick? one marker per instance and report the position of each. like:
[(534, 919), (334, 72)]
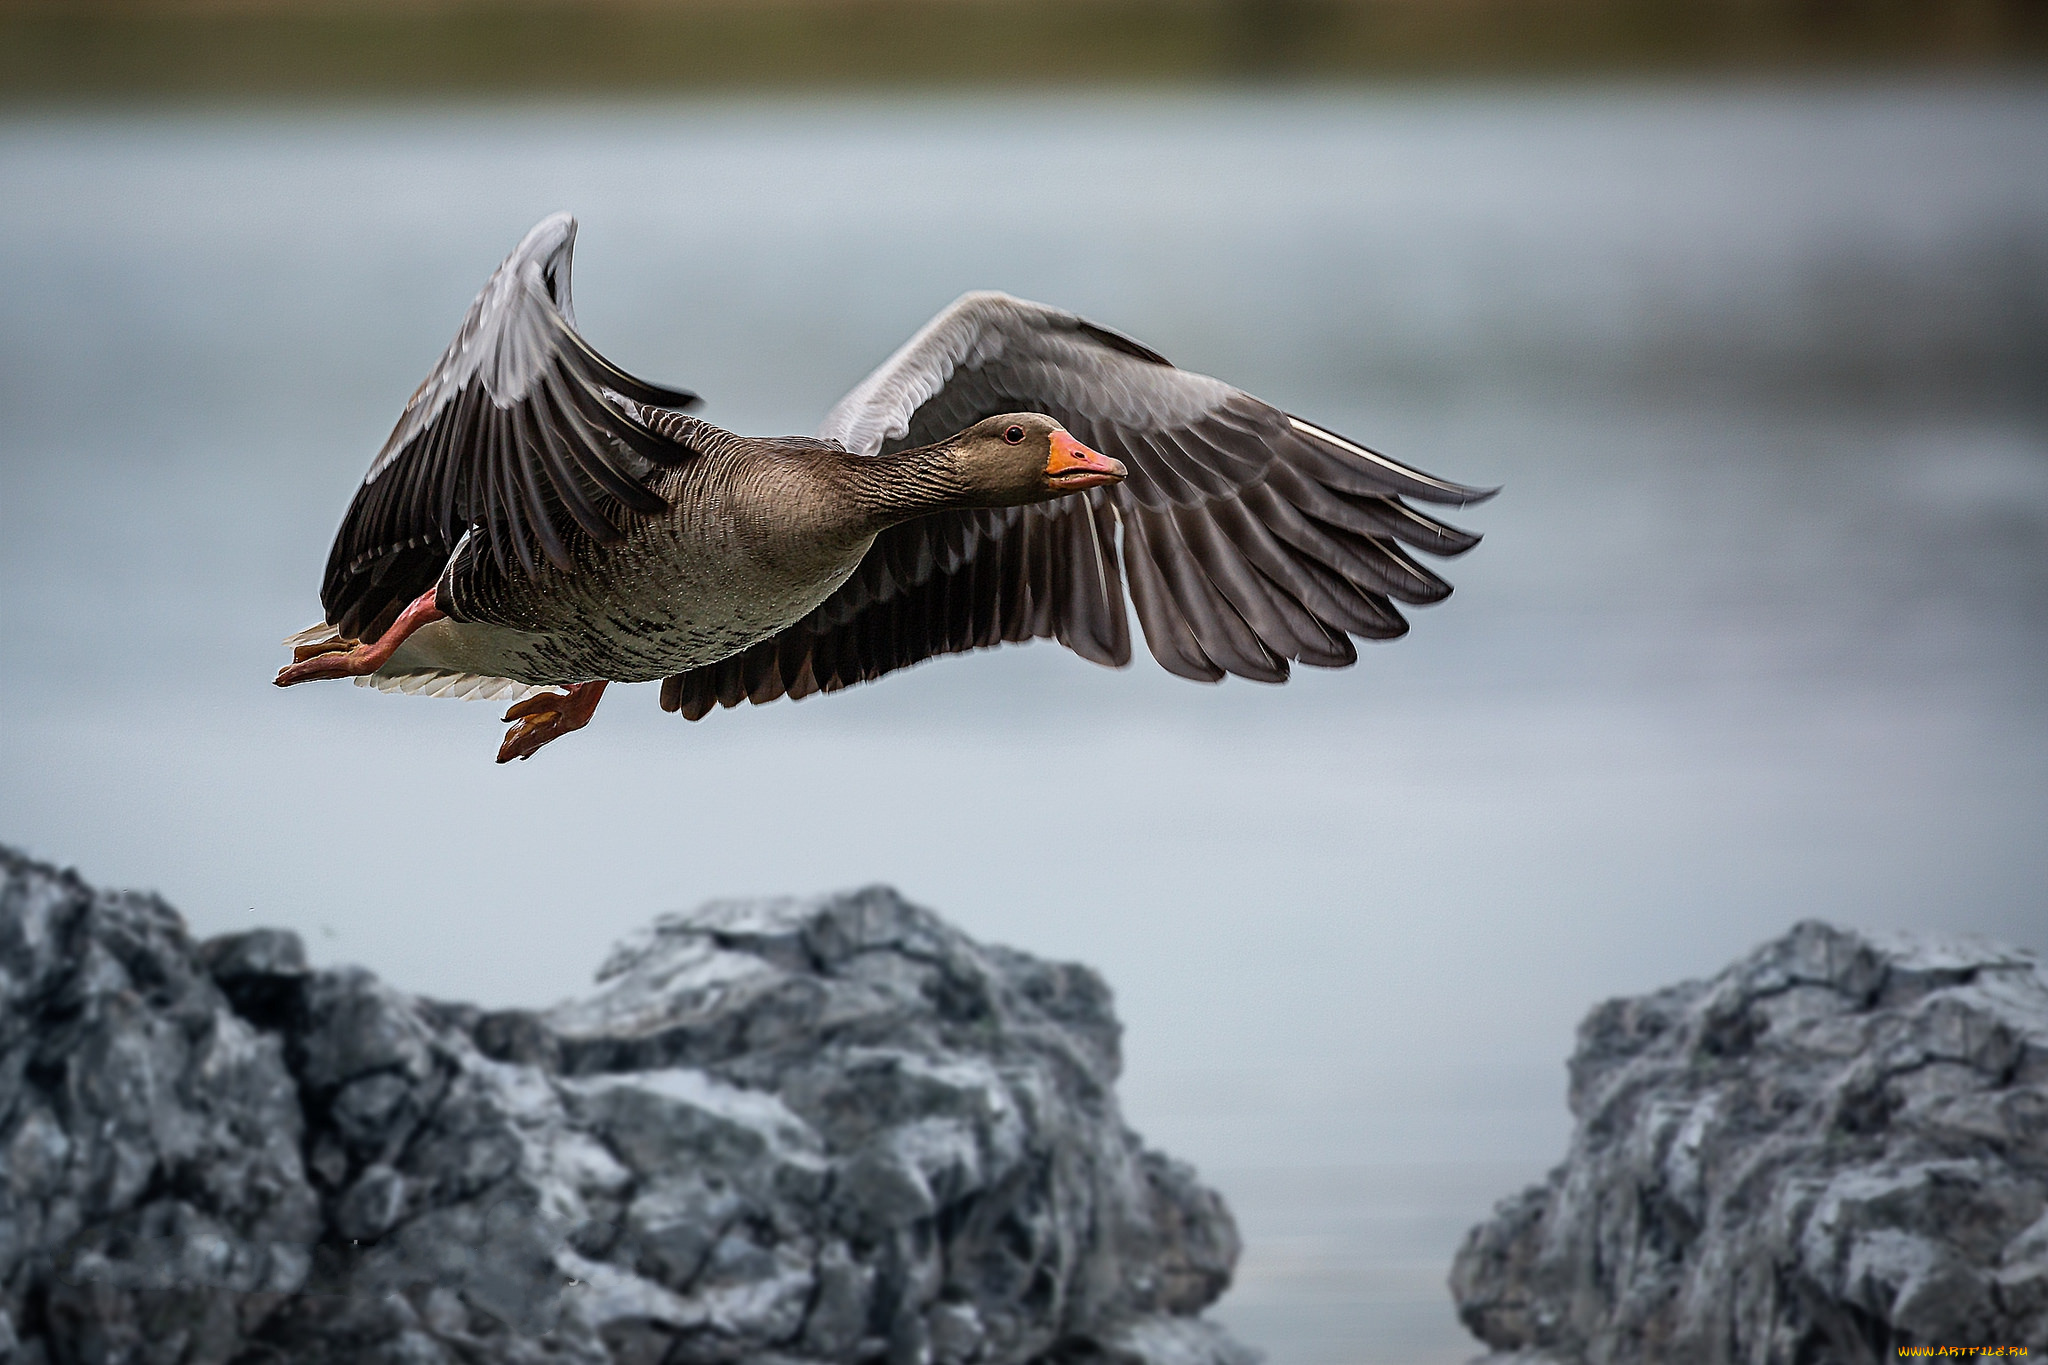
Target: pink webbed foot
[(333, 646), (338, 658), (546, 716), (346, 661)]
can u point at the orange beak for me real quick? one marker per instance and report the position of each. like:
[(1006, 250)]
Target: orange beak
[(1073, 466)]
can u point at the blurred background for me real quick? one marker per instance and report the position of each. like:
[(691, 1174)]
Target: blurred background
[(1745, 302)]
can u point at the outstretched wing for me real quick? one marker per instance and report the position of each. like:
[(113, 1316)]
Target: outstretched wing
[(1250, 539), (518, 437)]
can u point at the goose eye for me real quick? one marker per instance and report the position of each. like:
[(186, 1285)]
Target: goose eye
[(1014, 435)]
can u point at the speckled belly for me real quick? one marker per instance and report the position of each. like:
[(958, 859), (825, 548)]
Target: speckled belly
[(654, 605)]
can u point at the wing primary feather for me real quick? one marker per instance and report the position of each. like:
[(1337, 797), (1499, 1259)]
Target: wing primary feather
[(1226, 635), (1074, 606), (526, 455), (585, 448), (437, 487), (1375, 564), (1389, 568), (890, 634), (454, 511), (648, 444), (1281, 624), (1360, 611), (1013, 593), (1402, 478), (415, 506), (493, 518), (985, 602), (1043, 537), (1373, 514), (763, 673), (731, 688), (588, 452), (504, 460), (1330, 600), (616, 379), (1426, 532), (566, 473), (825, 660), (1167, 632), (957, 586), (990, 595), (1104, 522), (793, 657)]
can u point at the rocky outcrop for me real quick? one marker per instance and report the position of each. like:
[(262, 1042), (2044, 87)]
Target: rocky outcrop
[(777, 1132), (1834, 1149)]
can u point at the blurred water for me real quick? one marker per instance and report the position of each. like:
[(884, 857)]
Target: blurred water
[(1758, 631)]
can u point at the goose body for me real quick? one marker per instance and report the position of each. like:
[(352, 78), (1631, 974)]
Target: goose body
[(541, 519), (754, 535)]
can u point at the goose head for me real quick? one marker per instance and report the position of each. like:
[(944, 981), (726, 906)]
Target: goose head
[(1024, 457)]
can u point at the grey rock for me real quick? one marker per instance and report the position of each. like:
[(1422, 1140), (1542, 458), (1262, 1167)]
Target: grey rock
[(152, 1196), (259, 955), (259, 972), (1158, 1340), (812, 1131), (1836, 1148)]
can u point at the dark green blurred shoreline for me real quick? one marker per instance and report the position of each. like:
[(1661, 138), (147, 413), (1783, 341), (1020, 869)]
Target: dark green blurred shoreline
[(114, 51)]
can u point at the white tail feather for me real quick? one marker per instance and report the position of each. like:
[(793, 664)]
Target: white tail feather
[(428, 682), (311, 635), (441, 683)]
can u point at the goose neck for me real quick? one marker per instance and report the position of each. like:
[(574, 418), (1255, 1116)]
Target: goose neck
[(895, 488)]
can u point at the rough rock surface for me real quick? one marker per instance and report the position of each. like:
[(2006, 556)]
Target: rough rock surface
[(1836, 1148), (778, 1132)]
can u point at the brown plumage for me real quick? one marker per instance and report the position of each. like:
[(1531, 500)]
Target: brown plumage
[(573, 525)]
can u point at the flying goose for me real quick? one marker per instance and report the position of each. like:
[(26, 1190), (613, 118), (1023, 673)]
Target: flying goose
[(539, 519)]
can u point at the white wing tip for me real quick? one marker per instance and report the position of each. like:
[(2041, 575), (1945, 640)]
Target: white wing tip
[(559, 224)]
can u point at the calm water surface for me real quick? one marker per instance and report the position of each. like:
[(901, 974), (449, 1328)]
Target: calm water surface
[(1757, 633)]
